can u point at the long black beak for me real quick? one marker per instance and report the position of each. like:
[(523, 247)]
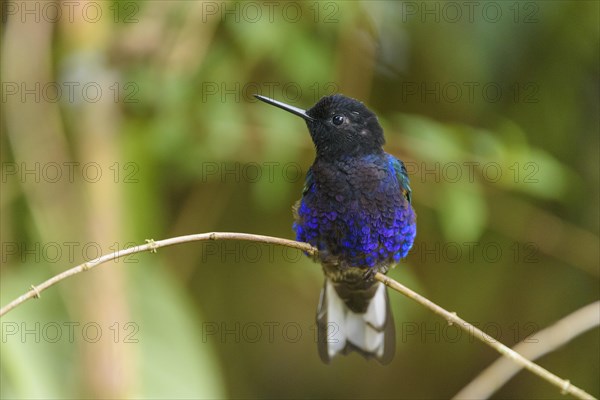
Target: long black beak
[(294, 110)]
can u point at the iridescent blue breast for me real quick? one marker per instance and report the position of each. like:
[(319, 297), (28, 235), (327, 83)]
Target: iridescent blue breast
[(357, 211)]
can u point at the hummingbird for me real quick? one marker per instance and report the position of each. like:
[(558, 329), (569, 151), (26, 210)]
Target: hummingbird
[(356, 210)]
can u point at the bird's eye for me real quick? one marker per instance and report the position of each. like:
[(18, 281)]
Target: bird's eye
[(337, 119)]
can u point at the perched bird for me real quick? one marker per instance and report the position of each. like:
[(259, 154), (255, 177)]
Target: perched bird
[(356, 210)]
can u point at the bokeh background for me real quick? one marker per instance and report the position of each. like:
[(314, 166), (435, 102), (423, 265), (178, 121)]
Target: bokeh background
[(126, 121)]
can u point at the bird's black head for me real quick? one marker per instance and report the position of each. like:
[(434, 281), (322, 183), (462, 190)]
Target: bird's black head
[(339, 126)]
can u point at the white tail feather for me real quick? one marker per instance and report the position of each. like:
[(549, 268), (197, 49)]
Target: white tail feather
[(364, 331)]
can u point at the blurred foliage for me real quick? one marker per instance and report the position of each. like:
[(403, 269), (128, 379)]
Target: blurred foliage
[(495, 116)]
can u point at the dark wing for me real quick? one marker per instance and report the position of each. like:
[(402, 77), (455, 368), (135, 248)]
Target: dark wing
[(308, 182), (402, 176)]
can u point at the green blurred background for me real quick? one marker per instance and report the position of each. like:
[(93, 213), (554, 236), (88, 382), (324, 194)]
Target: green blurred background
[(126, 121)]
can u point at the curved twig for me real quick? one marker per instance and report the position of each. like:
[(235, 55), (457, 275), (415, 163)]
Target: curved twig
[(545, 341), (151, 246)]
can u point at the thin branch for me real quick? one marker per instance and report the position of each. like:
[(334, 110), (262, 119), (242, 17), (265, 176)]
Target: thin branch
[(544, 342), (152, 246), (452, 318)]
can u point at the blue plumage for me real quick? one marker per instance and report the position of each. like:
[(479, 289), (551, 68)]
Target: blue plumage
[(356, 210)]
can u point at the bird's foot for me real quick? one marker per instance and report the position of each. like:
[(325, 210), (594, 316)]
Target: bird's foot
[(369, 274)]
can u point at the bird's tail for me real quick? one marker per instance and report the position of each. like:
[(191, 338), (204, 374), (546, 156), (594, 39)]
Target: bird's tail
[(342, 330)]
